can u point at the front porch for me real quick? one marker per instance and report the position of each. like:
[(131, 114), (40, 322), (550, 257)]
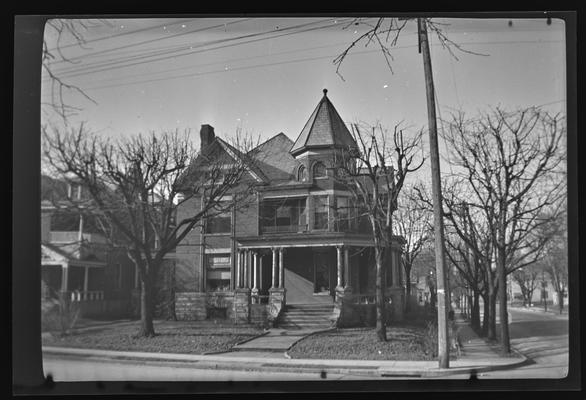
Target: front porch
[(335, 268)]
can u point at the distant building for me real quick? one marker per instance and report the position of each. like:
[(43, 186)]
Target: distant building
[(77, 262), (301, 242)]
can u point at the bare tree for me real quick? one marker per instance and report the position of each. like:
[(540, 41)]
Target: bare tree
[(470, 250), (555, 262), (61, 34), (413, 223), (375, 173), (526, 278), (136, 185), (507, 161)]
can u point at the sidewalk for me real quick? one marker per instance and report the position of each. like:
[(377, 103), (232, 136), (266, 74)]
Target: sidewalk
[(268, 353)]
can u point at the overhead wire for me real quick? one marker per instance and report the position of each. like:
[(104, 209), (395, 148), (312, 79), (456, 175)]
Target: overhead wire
[(169, 53), (140, 44), (115, 35)]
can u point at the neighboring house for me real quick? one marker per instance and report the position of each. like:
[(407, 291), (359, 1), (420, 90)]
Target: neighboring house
[(300, 242), (543, 290), (76, 260)]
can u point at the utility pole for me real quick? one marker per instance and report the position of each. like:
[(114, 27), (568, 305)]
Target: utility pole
[(440, 259)]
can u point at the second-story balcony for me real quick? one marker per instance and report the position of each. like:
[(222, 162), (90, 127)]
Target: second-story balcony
[(283, 228), (285, 215)]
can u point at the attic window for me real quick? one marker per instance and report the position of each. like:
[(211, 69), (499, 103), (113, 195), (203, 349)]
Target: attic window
[(302, 174), (319, 170)]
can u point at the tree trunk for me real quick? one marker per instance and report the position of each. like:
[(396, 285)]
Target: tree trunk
[(381, 330), (475, 311), (491, 333), (407, 289), (171, 313), (147, 328), (486, 316), (561, 300), (503, 314)]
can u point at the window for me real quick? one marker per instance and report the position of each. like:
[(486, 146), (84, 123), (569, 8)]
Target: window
[(302, 174), (342, 214), (320, 206), (218, 272), (283, 215), (220, 223), (319, 170)]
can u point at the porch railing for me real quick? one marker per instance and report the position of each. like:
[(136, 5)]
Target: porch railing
[(90, 295), (366, 299), (283, 228)]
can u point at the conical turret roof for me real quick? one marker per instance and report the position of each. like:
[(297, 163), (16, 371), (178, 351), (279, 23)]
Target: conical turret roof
[(324, 129)]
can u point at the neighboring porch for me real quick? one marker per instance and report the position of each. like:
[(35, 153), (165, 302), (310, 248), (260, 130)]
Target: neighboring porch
[(81, 282)]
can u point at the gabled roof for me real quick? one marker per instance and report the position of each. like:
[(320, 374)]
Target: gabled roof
[(237, 155), (324, 129), (216, 148), (273, 158)]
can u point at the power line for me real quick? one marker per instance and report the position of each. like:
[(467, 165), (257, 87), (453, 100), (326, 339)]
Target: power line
[(246, 67), (118, 35), (150, 41), (223, 62), (113, 65)]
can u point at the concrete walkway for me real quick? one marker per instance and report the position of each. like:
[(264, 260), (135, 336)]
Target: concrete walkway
[(268, 353)]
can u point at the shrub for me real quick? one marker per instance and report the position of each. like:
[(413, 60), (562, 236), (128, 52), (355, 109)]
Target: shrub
[(58, 314)]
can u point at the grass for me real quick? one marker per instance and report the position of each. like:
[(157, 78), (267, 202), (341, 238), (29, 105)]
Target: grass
[(185, 337), (405, 342)]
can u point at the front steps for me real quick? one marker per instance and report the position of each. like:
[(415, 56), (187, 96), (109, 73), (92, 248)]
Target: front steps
[(306, 317)]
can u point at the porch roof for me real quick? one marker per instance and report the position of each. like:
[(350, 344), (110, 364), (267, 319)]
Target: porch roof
[(310, 239), (52, 254)]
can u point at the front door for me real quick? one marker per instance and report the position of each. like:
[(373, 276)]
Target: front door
[(322, 273)]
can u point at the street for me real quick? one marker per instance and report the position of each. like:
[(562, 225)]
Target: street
[(541, 336), (71, 369)]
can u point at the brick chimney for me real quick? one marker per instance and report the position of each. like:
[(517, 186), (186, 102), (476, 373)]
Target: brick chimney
[(206, 135)]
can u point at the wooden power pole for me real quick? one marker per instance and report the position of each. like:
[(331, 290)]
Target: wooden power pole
[(440, 259)]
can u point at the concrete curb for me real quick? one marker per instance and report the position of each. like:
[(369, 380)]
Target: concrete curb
[(355, 367)]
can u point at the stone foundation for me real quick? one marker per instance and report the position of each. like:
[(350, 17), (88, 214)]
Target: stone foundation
[(277, 302), (190, 306), (241, 308)]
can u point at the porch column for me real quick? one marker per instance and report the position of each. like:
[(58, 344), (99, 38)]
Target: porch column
[(281, 269), (85, 278), (339, 249), (255, 258), (64, 277), (237, 272), (347, 283), (274, 267), (247, 273)]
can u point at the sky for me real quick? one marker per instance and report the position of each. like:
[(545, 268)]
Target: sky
[(264, 76)]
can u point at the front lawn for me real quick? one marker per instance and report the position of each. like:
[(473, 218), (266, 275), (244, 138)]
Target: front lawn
[(406, 342), (187, 337)]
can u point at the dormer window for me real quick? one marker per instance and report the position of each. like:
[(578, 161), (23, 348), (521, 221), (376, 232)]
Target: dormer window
[(302, 174), (319, 170)]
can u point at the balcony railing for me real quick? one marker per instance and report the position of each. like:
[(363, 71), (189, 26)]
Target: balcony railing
[(90, 295), (283, 228), (73, 236)]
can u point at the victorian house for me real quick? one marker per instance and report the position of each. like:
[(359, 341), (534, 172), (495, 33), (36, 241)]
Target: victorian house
[(301, 254), (78, 264)]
